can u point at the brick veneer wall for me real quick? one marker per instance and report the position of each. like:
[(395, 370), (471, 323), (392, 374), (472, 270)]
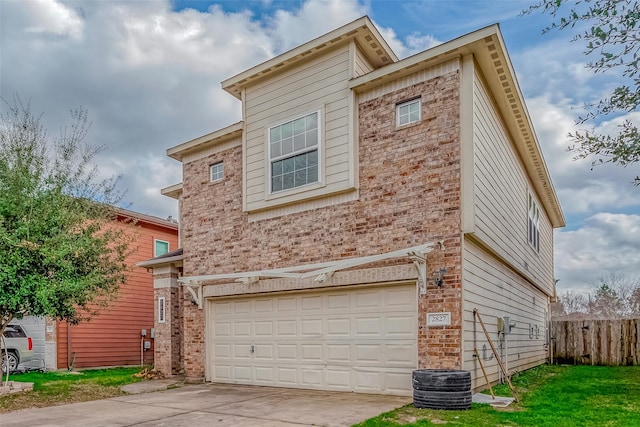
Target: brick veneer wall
[(409, 181)]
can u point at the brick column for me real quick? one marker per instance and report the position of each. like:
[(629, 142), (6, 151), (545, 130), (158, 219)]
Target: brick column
[(168, 335)]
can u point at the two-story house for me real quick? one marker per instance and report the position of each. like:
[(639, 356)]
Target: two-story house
[(343, 232)]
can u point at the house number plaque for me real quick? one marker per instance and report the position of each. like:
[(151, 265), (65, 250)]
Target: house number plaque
[(439, 319)]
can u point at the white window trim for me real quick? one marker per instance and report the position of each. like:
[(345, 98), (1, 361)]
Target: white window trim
[(533, 217), (211, 172), (162, 310), (312, 185), (154, 246), (401, 104)]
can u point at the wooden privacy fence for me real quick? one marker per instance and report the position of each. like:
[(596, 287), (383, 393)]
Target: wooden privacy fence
[(596, 342)]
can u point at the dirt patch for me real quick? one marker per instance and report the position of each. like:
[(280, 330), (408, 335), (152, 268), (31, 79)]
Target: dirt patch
[(78, 393)]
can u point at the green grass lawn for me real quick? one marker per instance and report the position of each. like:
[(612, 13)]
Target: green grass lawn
[(56, 388), (555, 396)]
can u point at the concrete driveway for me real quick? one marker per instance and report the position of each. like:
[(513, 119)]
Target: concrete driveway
[(214, 405)]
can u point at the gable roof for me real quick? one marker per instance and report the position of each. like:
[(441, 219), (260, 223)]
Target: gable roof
[(374, 47), (148, 219), (490, 55)]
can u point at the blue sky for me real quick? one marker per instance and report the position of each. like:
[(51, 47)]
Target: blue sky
[(149, 72)]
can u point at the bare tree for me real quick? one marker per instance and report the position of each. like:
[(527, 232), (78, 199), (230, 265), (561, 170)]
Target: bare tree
[(573, 303), (616, 296)]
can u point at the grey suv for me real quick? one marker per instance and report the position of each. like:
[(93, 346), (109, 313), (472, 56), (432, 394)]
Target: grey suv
[(19, 348)]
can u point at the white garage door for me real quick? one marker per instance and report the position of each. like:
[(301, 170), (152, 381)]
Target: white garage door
[(362, 340)]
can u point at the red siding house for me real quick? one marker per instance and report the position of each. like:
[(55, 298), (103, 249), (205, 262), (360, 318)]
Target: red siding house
[(114, 336)]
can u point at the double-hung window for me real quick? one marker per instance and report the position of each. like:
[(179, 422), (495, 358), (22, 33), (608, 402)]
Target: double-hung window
[(408, 112), (534, 224), (293, 153)]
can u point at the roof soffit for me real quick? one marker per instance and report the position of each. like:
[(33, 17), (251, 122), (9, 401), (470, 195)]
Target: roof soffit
[(174, 191), (216, 137), (362, 30)]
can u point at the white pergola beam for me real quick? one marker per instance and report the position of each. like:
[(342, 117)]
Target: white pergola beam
[(322, 271)]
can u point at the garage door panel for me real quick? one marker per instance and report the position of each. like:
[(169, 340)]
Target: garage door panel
[(241, 350), (368, 381), (222, 350), (339, 378), (401, 354), (263, 328), (287, 376), (265, 374), (222, 373), (242, 307), (311, 353), (396, 382), (312, 377), (339, 326), (287, 352), (286, 328), (368, 326), (222, 329), (339, 353), (368, 353), (242, 329), (311, 327), (287, 305), (400, 299), (242, 373), (311, 304), (401, 326), (362, 339), (264, 351), (264, 305), (367, 300), (339, 301)]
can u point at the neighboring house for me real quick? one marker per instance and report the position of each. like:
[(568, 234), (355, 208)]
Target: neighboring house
[(114, 336), (341, 235)]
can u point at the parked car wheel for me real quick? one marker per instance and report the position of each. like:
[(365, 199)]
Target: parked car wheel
[(10, 359), (457, 400), (443, 380)]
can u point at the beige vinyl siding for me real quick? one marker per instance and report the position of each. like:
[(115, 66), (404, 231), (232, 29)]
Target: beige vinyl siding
[(319, 85), (362, 66), (495, 291), (500, 196)]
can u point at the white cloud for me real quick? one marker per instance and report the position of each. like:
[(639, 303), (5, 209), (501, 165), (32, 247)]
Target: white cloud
[(579, 188), (288, 29), (53, 17), (606, 243)]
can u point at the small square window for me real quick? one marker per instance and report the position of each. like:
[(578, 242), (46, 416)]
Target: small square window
[(160, 247), (217, 172), (408, 112)]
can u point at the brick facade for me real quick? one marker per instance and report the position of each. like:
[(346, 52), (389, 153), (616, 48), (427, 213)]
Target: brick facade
[(409, 186)]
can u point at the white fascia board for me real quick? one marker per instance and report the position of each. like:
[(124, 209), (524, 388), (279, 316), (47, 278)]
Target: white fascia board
[(456, 47), (214, 137), (161, 261)]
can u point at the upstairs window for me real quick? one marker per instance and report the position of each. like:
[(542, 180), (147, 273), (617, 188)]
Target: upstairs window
[(408, 112), (293, 153), (217, 172), (534, 224), (160, 247)]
